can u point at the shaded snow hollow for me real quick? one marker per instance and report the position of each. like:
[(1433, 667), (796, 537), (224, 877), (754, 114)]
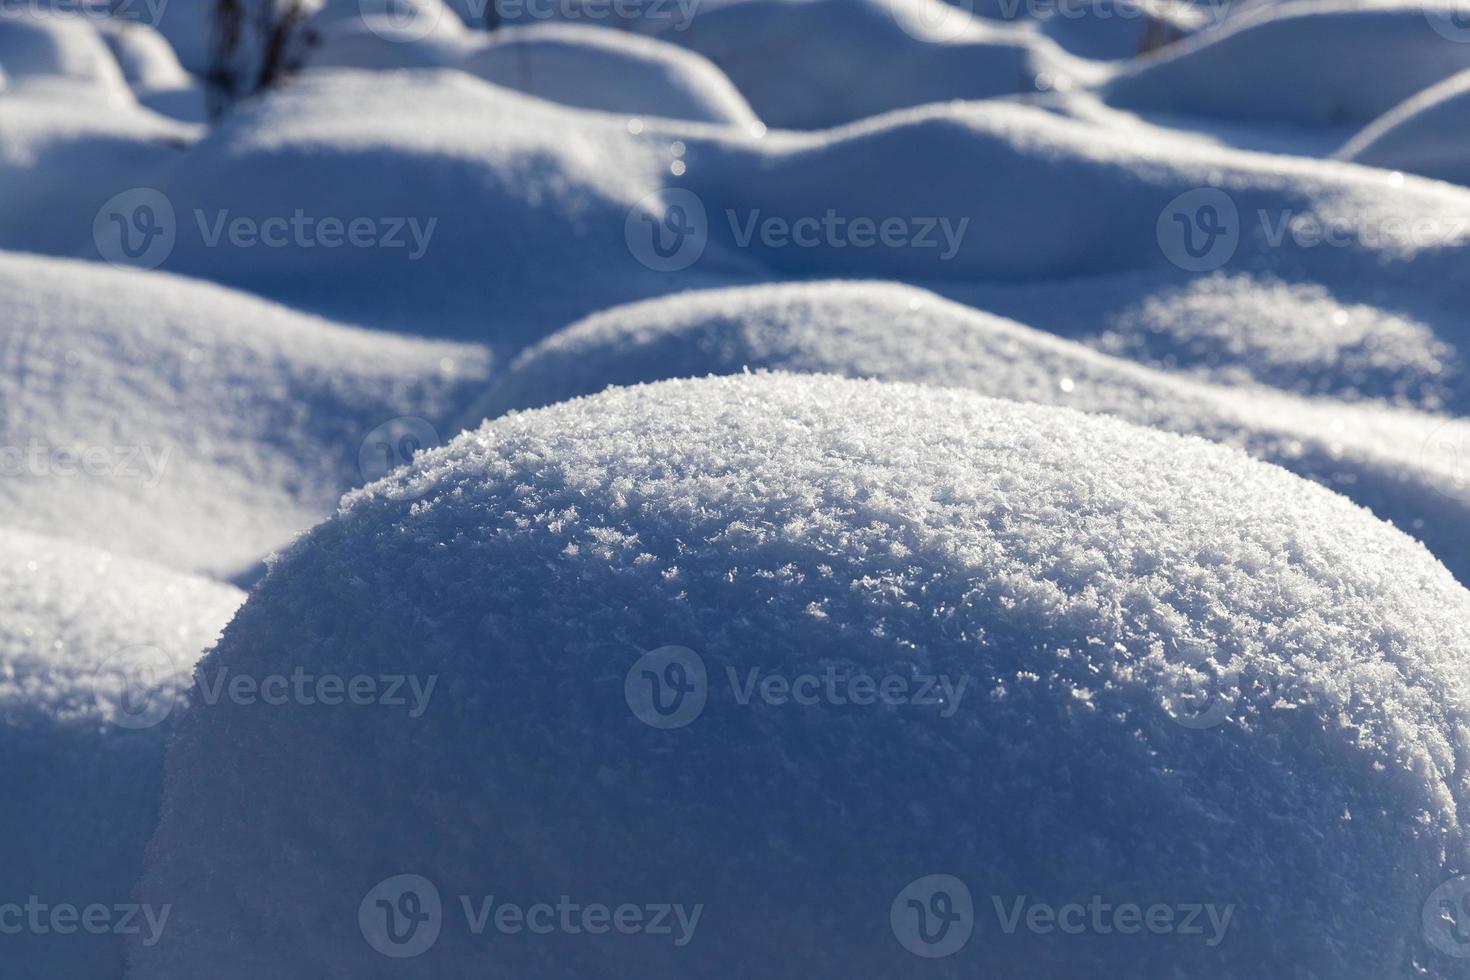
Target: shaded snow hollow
[(1188, 678)]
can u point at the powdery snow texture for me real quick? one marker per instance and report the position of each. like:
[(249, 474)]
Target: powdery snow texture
[(1088, 578)]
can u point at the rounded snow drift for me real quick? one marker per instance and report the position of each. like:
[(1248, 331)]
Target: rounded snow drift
[(788, 676)]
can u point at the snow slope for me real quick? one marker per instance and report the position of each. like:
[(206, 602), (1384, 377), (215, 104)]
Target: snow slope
[(1309, 63), (497, 217), (507, 181), (93, 647), (1425, 135), (66, 146), (153, 71), (1188, 677), (875, 55), (1395, 463), (576, 65), (54, 50), (186, 423)]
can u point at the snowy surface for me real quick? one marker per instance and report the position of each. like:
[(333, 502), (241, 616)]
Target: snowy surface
[(94, 649), (1111, 353), (190, 424), (1424, 135), (1400, 464), (1080, 571), (573, 64)]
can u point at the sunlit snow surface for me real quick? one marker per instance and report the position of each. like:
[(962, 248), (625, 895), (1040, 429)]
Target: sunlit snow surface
[(834, 488)]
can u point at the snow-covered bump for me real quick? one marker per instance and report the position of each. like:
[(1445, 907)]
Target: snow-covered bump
[(611, 71), (61, 50), (190, 424), (1401, 464), (95, 655), (1188, 679)]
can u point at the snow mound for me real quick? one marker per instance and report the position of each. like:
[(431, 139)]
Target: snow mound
[(594, 68), (1424, 135), (64, 151), (1113, 30), (575, 65), (1394, 463), (473, 195), (1188, 677), (1309, 63), (70, 51), (457, 209), (189, 424), (93, 648), (875, 55), (152, 69)]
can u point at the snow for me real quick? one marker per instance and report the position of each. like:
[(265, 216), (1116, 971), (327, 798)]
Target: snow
[(1390, 462), (1105, 357), (93, 647), (189, 424), (1309, 63), (454, 198), (576, 65), (151, 68), (1423, 135), (1089, 578), (65, 147), (505, 179), (50, 50), (875, 55)]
